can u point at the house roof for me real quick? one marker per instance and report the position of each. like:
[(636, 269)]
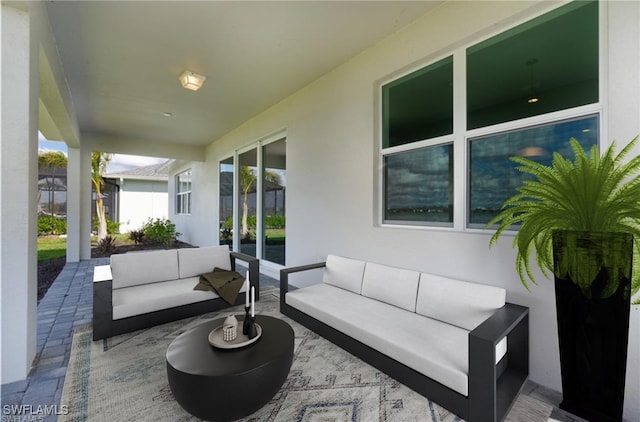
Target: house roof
[(156, 172)]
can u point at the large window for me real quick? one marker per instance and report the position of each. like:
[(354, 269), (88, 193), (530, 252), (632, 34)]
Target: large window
[(547, 64), (418, 106), (417, 154), (183, 192), (419, 185), (526, 91), (493, 177)]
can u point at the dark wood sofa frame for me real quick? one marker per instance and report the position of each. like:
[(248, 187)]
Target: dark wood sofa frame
[(105, 326), (492, 388)]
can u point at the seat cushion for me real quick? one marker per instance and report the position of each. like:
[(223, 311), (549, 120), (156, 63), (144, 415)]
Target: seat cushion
[(394, 286), (345, 273), (138, 268), (138, 300), (196, 261), (456, 302), (404, 336)]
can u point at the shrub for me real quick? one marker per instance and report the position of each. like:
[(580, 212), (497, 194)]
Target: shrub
[(160, 231), (275, 221), (51, 225), (137, 236), (106, 245)]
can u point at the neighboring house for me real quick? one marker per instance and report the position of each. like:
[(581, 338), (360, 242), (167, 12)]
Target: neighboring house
[(137, 195)]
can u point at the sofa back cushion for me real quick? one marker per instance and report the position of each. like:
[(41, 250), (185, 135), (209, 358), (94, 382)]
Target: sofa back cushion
[(460, 303), (135, 268), (394, 286), (195, 261), (343, 272)]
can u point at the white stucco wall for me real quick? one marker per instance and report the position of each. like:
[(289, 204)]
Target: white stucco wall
[(199, 227), (18, 195), (140, 200), (332, 166)]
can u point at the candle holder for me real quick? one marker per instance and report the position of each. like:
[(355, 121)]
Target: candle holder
[(252, 332), (246, 322)]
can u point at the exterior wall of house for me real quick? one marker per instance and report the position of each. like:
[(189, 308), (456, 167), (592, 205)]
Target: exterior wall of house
[(140, 200), (332, 166), (199, 227)]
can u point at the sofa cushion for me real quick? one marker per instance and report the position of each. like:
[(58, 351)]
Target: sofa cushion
[(435, 349), (138, 300), (345, 273), (404, 336), (135, 268), (196, 261), (456, 302), (394, 286)]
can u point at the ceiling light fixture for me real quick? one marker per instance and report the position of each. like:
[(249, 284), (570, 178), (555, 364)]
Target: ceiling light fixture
[(533, 98), (191, 80)]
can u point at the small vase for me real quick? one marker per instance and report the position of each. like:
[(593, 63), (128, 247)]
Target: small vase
[(230, 320), (246, 322), (252, 332)]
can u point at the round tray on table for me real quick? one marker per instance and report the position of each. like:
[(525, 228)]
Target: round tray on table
[(216, 339)]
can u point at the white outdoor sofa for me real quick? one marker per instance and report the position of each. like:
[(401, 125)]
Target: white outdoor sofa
[(455, 342), (142, 289)]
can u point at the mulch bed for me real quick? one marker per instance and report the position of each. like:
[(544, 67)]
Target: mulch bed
[(48, 270)]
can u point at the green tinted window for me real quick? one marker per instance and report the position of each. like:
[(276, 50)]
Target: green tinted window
[(419, 105), (547, 64)]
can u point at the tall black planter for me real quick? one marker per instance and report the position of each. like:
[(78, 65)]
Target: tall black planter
[(593, 331)]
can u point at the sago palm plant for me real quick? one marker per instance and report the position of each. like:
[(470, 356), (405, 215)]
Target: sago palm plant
[(593, 193)]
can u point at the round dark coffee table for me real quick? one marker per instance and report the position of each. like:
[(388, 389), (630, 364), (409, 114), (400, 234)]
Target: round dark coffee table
[(224, 385)]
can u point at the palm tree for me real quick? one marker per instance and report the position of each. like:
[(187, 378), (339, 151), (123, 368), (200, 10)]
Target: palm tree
[(99, 161), (247, 179)]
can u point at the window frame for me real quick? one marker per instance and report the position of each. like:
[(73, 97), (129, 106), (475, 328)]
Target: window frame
[(462, 135), (183, 198)]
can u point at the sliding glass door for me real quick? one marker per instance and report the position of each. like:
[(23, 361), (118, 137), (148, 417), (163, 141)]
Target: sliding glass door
[(252, 196), (248, 200), (274, 189), (225, 200)]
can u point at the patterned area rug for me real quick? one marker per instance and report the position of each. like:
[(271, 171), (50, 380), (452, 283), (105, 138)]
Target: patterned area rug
[(124, 378)]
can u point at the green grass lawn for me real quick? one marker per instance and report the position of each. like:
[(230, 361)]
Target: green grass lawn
[(276, 234), (50, 247)]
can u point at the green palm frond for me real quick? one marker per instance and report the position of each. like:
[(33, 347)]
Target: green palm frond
[(594, 193)]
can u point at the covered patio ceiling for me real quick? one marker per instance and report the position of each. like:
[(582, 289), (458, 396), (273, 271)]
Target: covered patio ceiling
[(121, 60)]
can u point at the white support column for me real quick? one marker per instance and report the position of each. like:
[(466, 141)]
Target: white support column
[(18, 198), (78, 204), (86, 202), (73, 204)]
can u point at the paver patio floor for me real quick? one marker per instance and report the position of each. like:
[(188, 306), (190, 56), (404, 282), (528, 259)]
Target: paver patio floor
[(67, 305)]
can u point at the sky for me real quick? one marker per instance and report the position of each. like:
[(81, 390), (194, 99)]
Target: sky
[(118, 163)]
